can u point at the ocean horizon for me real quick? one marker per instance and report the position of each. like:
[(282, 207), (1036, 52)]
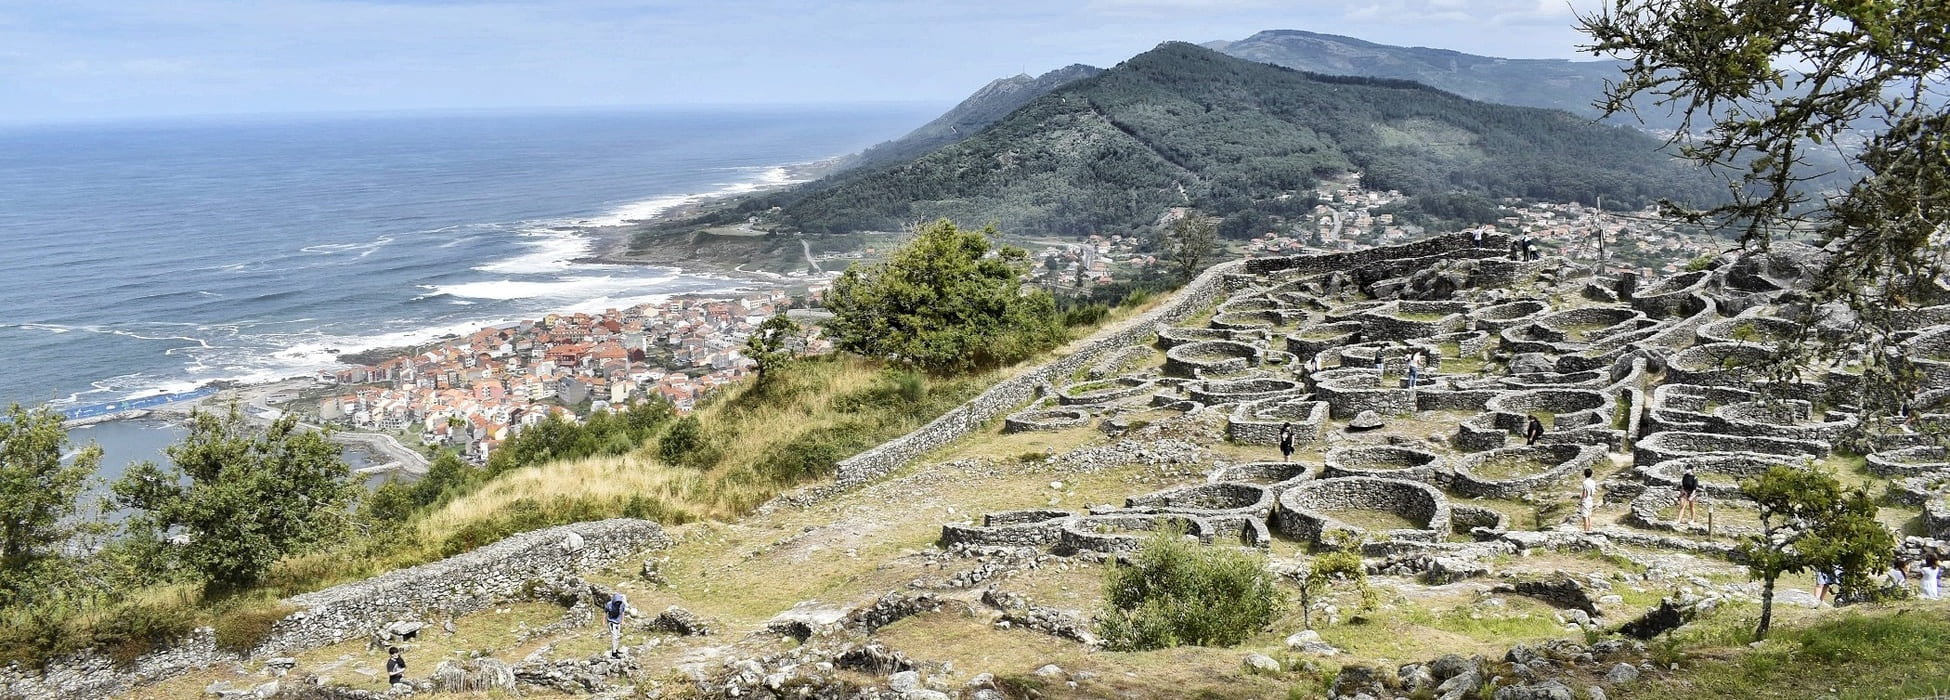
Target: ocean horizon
[(150, 257)]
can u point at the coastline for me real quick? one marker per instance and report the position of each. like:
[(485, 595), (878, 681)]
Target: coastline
[(609, 244)]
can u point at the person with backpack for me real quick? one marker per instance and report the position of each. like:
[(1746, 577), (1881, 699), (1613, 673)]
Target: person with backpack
[(395, 666), (1688, 495), (1286, 442), (613, 614)]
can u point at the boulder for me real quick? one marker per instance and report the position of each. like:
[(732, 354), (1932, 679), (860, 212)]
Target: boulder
[(1261, 663), (1366, 420), (1622, 673), (1547, 690)]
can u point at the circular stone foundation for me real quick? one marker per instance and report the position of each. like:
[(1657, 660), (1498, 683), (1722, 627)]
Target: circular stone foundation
[(1510, 472), (1236, 390), (1207, 498), (1382, 461), (1126, 532), (1211, 356), (1719, 475), (1280, 475), (1047, 419), (1363, 506), (1102, 391)]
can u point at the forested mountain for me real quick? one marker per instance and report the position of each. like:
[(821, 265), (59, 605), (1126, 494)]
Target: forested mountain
[(989, 104), (1186, 126), (1572, 86)]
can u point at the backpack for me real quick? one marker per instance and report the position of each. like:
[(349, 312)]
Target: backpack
[(614, 609)]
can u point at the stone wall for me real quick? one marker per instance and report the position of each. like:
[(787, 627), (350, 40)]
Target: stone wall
[(461, 584)]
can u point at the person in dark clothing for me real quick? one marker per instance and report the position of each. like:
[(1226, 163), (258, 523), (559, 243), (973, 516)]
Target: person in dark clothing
[(395, 666), (1532, 431), (1688, 494), (1529, 248), (613, 614), (1286, 442)]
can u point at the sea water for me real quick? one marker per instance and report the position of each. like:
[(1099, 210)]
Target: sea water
[(146, 257)]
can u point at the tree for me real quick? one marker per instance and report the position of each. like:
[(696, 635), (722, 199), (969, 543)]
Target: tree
[(1765, 86), (38, 494), (1187, 243), (243, 497), (948, 301), (1808, 521), (771, 345)]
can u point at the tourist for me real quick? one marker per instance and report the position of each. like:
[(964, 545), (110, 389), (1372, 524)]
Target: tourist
[(1533, 431), (1414, 369), (613, 613), (1477, 237), (1380, 364), (1529, 248), (1826, 581), (1286, 442), (1688, 495), (1587, 498), (1897, 576), (395, 666), (1927, 576)]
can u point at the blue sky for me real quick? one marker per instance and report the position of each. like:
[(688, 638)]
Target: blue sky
[(67, 60)]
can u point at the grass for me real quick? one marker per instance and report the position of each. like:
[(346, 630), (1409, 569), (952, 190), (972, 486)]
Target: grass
[(1888, 652), (1510, 466), (1373, 519)]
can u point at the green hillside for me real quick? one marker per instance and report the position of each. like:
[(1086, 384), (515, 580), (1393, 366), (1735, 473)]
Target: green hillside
[(1186, 126)]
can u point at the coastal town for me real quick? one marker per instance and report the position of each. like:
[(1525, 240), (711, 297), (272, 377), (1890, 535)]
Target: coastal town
[(472, 393)]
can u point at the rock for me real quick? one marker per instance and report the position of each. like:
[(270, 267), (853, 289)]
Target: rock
[(1415, 677), (1622, 673), (1532, 363), (1449, 666), (1547, 690), (982, 680), (1577, 617), (405, 629), (1654, 622), (449, 677), (681, 621), (1595, 693), (1612, 599), (1049, 671), (1357, 679), (1261, 663), (491, 675), (872, 658), (904, 681), (285, 663), (1308, 642), (1365, 420), (1557, 589), (572, 542), (653, 572), (924, 694), (1520, 654), (265, 691)]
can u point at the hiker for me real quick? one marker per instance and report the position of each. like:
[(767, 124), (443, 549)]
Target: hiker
[(395, 666), (1587, 498), (1414, 369), (1927, 575), (613, 613), (1286, 442), (1688, 495), (1533, 431)]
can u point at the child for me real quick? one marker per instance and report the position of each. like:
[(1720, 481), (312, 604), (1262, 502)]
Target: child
[(395, 666), (1928, 575)]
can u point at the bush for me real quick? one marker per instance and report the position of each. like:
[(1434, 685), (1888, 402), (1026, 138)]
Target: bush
[(683, 442), (1179, 593), (241, 629), (130, 631)]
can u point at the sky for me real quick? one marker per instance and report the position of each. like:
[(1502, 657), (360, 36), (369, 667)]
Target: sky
[(82, 60)]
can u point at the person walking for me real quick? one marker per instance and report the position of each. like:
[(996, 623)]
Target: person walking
[(1414, 369), (613, 614), (395, 666), (1688, 495), (1927, 575), (1533, 431), (1587, 498), (1286, 442), (1825, 583)]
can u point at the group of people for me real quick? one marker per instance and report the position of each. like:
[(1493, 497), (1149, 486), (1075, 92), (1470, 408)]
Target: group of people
[(1928, 572), (1523, 248)]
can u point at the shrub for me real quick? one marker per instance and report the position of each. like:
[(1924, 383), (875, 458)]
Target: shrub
[(129, 631), (1179, 593), (241, 629), (682, 443)]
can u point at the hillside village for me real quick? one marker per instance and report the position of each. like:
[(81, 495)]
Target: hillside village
[(472, 393)]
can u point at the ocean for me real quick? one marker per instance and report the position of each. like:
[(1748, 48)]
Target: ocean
[(151, 257)]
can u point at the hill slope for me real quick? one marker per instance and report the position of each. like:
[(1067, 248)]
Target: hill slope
[(1572, 86), (986, 106), (1183, 125)]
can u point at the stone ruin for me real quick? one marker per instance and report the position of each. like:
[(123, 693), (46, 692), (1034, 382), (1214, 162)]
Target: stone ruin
[(1658, 375)]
